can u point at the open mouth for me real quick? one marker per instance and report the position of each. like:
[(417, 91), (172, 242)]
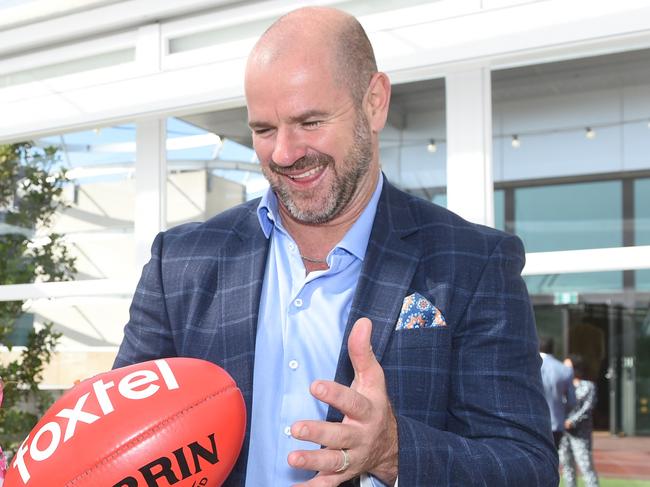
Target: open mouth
[(307, 174)]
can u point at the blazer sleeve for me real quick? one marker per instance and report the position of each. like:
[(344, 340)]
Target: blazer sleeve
[(147, 335), (498, 427)]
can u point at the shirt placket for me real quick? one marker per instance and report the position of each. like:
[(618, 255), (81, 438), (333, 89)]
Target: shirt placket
[(292, 354)]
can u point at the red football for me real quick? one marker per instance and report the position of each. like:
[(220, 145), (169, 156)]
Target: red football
[(169, 422)]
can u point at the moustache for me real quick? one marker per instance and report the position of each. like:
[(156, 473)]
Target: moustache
[(305, 162)]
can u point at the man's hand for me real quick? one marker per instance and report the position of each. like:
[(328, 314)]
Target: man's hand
[(368, 431)]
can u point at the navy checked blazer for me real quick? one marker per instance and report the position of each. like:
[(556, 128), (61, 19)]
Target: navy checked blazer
[(467, 396)]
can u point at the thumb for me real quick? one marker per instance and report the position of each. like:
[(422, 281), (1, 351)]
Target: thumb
[(365, 365)]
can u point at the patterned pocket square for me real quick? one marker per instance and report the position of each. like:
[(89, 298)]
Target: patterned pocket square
[(418, 312)]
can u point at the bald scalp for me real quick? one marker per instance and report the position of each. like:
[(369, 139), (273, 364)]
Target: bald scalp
[(334, 32)]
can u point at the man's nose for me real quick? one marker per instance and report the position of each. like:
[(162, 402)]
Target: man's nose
[(288, 147)]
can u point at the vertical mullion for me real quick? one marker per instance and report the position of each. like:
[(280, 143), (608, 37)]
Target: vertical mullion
[(470, 187)]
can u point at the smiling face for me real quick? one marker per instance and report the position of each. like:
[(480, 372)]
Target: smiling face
[(320, 203), (315, 143)]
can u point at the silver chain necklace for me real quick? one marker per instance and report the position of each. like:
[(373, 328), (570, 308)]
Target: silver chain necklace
[(313, 261)]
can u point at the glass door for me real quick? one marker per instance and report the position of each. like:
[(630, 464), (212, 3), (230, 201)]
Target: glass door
[(614, 341)]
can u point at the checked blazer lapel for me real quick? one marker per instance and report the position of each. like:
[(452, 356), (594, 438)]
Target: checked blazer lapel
[(388, 268), (239, 287), (240, 277)]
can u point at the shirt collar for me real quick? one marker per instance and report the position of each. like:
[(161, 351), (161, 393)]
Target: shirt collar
[(267, 212), (354, 241)]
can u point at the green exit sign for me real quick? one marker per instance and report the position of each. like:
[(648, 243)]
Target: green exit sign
[(565, 298)]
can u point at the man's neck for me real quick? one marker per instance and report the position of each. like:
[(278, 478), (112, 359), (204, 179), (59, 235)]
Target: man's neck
[(315, 241)]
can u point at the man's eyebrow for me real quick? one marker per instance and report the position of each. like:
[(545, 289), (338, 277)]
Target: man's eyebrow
[(254, 124), (309, 114)]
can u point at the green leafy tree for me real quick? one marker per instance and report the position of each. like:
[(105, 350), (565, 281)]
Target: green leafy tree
[(31, 185)]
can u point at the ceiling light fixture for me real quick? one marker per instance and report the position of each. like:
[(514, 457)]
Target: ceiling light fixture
[(432, 147), (590, 133), (516, 143)]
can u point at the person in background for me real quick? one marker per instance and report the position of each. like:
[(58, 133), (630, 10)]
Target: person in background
[(576, 443), (558, 388), (375, 336)]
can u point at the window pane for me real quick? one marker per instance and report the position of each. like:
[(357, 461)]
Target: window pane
[(550, 107), (612, 338), (589, 314), (567, 135), (500, 209), (211, 165), (413, 150), (569, 216), (98, 222), (642, 226), (92, 329), (69, 67), (565, 286)]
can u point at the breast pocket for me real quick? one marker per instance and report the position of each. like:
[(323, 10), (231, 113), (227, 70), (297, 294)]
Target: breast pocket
[(416, 364)]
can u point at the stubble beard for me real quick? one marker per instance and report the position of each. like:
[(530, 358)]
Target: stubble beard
[(303, 207)]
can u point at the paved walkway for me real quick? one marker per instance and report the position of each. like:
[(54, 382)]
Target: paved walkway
[(624, 458)]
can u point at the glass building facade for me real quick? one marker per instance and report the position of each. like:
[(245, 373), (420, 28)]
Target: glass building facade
[(152, 124)]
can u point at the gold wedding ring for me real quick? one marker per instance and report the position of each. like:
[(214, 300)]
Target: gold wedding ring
[(346, 461)]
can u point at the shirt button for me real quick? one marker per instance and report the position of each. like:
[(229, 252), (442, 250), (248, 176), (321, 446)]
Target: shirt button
[(287, 430), (298, 302), (292, 247), (293, 364)]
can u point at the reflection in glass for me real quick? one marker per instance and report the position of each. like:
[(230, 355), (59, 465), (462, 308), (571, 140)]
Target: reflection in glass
[(500, 209), (642, 227), (610, 329), (210, 167), (582, 141), (571, 283), (91, 330), (98, 224), (416, 122), (641, 365), (570, 216)]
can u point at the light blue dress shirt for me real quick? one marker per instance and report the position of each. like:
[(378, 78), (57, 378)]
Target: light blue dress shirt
[(302, 319)]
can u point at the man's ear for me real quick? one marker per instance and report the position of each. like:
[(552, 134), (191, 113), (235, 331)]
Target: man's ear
[(377, 101)]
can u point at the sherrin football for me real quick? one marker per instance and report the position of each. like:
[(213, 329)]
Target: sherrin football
[(169, 422)]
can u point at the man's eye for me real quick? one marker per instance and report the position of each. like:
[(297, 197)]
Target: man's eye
[(261, 131), (314, 124)]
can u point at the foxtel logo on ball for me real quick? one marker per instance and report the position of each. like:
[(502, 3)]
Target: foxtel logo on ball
[(129, 387)]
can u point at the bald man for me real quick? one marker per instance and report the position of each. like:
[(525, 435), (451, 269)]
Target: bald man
[(377, 338)]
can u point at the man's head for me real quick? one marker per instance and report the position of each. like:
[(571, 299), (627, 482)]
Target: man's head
[(546, 345), (578, 364), (316, 104)]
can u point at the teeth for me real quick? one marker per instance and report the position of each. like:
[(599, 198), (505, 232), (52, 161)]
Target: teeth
[(307, 174)]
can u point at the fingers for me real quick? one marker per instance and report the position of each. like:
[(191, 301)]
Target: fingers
[(323, 460), (359, 347), (368, 432), (346, 400), (369, 380), (368, 374), (333, 435)]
